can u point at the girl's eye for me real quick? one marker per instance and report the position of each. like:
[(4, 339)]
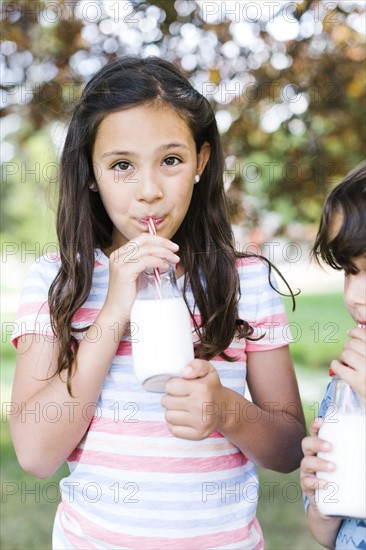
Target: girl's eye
[(122, 166), (172, 161)]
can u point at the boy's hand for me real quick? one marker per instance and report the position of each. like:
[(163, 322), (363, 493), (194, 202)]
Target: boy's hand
[(311, 464), (188, 399), (354, 356)]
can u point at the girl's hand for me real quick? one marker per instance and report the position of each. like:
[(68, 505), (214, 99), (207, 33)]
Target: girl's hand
[(127, 262), (311, 464), (353, 355), (194, 403)]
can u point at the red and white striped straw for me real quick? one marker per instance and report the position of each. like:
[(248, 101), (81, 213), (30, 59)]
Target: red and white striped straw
[(152, 231), (151, 225)]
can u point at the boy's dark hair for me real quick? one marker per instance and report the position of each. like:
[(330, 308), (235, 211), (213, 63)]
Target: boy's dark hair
[(348, 200)]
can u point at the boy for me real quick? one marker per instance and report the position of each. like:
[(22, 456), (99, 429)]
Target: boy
[(341, 243)]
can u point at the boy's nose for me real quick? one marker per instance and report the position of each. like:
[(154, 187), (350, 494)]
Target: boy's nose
[(355, 289)]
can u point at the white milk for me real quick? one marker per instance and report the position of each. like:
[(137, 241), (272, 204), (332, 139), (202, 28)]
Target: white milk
[(345, 495), (162, 342)]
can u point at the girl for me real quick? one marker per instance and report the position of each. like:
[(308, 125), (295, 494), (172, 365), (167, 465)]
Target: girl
[(148, 471), (341, 244)]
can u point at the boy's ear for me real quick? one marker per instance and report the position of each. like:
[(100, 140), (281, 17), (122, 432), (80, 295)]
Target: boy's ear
[(203, 156)]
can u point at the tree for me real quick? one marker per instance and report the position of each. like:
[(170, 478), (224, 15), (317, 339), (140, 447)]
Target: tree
[(286, 80)]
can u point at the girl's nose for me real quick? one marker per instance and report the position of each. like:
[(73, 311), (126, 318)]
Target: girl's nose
[(148, 188)]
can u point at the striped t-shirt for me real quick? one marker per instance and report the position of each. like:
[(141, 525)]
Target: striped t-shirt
[(132, 484)]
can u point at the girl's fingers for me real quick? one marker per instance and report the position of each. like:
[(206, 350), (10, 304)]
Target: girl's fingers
[(177, 387), (171, 402), (186, 432), (151, 262), (144, 244), (197, 369), (177, 418), (132, 255), (146, 240)]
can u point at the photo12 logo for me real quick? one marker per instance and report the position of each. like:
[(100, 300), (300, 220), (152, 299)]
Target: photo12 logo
[(50, 492), (88, 12)]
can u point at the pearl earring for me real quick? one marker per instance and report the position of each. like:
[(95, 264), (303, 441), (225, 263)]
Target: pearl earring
[(196, 178), (93, 187)]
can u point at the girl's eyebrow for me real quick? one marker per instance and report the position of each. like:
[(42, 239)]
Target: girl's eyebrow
[(161, 148), (116, 153), (174, 146)]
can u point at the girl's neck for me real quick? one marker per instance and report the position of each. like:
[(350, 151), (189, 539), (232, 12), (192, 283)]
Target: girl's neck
[(108, 251), (179, 272)]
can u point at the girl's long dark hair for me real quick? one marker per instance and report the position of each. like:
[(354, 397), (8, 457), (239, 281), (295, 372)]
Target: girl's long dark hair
[(205, 237)]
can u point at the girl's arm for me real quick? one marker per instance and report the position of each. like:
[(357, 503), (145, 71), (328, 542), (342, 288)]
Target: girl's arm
[(273, 387), (48, 423), (268, 430), (323, 528)]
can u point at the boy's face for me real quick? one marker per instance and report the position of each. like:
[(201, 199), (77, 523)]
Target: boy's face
[(354, 285), (355, 291)]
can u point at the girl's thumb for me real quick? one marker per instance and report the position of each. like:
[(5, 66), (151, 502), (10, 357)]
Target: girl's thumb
[(196, 370)]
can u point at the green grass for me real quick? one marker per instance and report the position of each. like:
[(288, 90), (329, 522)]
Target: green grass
[(28, 504), (27, 518), (281, 512), (319, 325)]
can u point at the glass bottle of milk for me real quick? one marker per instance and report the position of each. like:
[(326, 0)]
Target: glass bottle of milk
[(344, 427), (162, 342)]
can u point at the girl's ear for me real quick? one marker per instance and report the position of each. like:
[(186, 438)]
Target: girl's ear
[(202, 157)]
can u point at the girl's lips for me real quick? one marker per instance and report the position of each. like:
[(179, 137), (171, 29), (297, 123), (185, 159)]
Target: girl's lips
[(361, 324), (157, 220)]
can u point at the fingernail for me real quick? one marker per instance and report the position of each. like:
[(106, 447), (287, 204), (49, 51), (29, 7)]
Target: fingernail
[(330, 466)]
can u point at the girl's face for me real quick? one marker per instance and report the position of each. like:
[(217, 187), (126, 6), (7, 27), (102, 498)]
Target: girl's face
[(145, 162), (354, 285)]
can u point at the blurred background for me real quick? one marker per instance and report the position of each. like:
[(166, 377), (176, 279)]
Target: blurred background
[(287, 82)]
